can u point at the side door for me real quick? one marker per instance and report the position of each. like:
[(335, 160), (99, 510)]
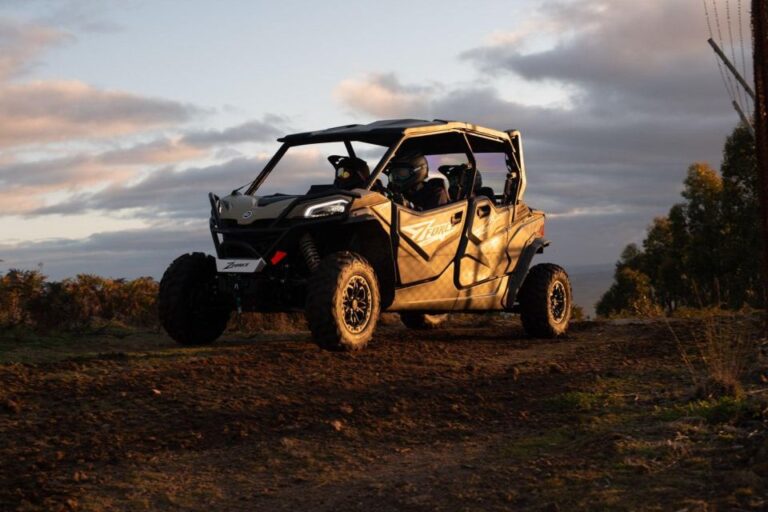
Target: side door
[(484, 255), (427, 242)]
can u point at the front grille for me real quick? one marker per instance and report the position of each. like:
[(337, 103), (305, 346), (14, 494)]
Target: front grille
[(247, 245)]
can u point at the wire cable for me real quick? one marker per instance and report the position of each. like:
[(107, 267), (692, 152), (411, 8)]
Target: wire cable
[(740, 97), (743, 56), (719, 41), (723, 74)]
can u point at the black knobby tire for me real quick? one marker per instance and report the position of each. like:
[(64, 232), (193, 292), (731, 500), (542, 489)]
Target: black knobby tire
[(422, 321), (190, 307), (545, 301), (336, 292)]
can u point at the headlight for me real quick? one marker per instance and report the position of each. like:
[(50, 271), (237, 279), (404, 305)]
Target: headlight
[(335, 207)]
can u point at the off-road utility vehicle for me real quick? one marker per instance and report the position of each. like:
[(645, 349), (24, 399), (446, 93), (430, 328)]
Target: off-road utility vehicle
[(344, 243)]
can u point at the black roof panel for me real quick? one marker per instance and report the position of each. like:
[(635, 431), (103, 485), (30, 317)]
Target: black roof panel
[(379, 132), (387, 132)]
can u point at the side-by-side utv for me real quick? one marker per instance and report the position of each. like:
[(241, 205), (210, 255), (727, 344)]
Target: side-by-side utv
[(423, 233)]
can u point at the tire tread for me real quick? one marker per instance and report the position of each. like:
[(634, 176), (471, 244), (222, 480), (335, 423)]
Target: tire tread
[(534, 297)]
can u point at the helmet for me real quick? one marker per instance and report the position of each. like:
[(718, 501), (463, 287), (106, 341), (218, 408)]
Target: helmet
[(461, 181), (351, 172), (407, 171)]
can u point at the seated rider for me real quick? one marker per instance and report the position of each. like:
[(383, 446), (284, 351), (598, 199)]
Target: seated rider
[(408, 179), (351, 172)]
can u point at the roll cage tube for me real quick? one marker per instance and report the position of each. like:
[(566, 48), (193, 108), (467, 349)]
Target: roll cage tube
[(512, 185), (395, 147), (385, 159), (278, 156), (267, 168)]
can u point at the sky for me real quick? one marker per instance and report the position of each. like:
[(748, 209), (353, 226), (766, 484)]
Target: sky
[(118, 117)]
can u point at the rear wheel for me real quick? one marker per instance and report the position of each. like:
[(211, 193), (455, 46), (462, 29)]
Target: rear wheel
[(190, 306), (343, 302), (422, 321), (545, 301)]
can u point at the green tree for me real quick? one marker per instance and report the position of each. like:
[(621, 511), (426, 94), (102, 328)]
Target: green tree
[(703, 192), (740, 210), (659, 262), (630, 293), (631, 286)]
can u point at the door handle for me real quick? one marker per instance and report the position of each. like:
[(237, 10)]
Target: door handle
[(484, 211), (457, 217)]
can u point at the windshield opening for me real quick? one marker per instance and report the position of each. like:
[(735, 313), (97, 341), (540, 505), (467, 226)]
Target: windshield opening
[(312, 168)]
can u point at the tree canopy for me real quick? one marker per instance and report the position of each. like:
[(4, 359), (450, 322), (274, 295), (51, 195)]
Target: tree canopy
[(706, 251)]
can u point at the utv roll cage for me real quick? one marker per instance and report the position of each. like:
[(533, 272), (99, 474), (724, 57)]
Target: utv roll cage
[(394, 133)]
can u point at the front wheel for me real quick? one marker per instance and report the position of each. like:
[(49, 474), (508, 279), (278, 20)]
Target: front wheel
[(190, 306), (545, 301), (343, 302)]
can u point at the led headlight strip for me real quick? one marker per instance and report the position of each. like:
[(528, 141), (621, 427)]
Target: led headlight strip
[(335, 207)]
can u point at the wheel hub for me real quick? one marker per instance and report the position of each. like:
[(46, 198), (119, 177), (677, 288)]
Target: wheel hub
[(558, 302), (356, 303)]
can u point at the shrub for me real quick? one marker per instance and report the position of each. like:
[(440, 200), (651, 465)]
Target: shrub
[(75, 304), (18, 289)]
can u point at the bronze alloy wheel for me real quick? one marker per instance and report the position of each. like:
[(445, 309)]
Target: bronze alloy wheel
[(558, 302), (356, 302), (343, 302)]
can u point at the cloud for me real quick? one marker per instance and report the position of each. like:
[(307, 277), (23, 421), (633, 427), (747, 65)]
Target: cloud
[(616, 61), (36, 112), (167, 192), (21, 43), (382, 95), (46, 111), (160, 151), (269, 128), (87, 17), (26, 186), (644, 104), (132, 176), (182, 193), (127, 253)]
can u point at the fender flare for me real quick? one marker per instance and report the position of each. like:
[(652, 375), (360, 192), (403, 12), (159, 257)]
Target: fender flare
[(518, 275)]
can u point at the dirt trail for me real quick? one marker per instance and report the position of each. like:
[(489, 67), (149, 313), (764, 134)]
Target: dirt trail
[(456, 419)]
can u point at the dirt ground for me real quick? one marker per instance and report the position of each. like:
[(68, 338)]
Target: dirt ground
[(463, 418)]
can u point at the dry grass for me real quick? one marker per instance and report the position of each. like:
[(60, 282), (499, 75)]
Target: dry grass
[(725, 348)]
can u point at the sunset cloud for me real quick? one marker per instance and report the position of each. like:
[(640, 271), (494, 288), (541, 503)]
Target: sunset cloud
[(382, 95), (22, 43), (46, 111)]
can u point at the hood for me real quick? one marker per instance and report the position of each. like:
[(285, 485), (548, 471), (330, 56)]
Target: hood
[(247, 209)]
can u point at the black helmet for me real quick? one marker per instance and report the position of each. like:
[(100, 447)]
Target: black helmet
[(462, 179), (351, 172), (407, 171)]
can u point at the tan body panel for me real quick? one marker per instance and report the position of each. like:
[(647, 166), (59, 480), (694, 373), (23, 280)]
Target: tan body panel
[(485, 255), (437, 295), (522, 234), (428, 240), (486, 296), (493, 248)]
